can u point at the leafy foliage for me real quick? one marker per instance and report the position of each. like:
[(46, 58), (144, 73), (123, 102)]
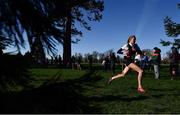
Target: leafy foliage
[(5, 42), (45, 20), (172, 30)]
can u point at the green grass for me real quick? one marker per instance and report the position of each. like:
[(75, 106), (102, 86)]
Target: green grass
[(88, 92)]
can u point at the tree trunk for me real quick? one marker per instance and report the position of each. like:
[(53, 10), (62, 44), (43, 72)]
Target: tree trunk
[(67, 40), (37, 51), (1, 52)]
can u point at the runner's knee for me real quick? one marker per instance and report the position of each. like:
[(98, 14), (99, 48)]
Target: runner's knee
[(140, 71), (122, 74)]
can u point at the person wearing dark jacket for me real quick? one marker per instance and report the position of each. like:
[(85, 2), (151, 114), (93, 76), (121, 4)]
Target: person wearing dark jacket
[(174, 62), (113, 62)]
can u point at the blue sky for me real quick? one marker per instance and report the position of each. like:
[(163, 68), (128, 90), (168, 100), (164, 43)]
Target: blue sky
[(121, 18)]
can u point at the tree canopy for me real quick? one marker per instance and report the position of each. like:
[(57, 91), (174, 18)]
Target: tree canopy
[(172, 30), (45, 21)]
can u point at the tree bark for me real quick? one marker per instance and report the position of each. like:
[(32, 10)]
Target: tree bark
[(67, 40)]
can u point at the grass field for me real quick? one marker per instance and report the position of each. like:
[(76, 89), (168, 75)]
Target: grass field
[(73, 91)]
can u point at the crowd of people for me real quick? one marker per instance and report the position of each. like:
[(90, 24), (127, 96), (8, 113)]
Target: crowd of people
[(146, 62), (140, 59)]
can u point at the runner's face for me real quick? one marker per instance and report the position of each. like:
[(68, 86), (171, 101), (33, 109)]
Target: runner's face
[(132, 41)]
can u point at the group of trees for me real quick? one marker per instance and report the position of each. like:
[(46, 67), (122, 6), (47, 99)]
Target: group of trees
[(96, 56), (46, 24)]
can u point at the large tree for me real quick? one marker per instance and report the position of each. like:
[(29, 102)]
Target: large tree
[(79, 11), (47, 21)]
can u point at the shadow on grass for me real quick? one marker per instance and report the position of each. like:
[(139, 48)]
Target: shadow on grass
[(89, 77), (162, 90), (122, 98), (160, 93), (51, 97)]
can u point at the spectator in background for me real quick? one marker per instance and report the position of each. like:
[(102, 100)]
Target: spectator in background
[(112, 62), (73, 62), (174, 62), (145, 60), (78, 63), (90, 59), (156, 61), (105, 63)]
